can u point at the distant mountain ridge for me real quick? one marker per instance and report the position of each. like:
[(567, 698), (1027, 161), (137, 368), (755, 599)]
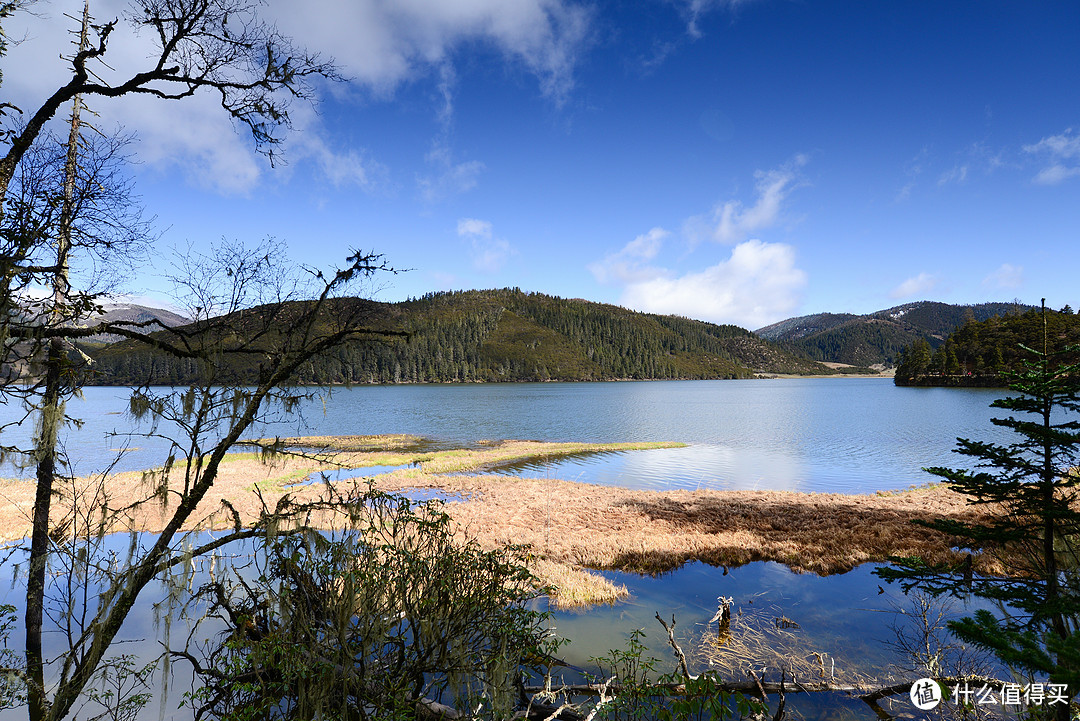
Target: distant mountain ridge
[(134, 313), (877, 338), (21, 365), (505, 335)]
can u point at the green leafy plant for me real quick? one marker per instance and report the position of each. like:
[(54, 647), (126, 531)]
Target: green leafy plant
[(391, 618)]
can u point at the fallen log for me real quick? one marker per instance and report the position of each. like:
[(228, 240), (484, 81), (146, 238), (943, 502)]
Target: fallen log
[(869, 692)]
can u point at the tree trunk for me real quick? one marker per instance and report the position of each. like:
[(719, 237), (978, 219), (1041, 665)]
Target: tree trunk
[(52, 416)]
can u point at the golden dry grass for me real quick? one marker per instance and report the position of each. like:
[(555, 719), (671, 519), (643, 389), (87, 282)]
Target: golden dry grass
[(571, 526), (386, 442), (654, 531)]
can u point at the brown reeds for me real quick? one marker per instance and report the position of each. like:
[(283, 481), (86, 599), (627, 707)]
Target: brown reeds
[(573, 527)]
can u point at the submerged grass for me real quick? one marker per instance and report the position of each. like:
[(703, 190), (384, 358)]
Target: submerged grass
[(763, 641), (572, 527)]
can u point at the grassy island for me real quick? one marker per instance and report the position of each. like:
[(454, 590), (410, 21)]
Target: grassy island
[(573, 528)]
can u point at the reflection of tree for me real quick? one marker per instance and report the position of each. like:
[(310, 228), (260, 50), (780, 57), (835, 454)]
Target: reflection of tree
[(924, 645), (762, 639)]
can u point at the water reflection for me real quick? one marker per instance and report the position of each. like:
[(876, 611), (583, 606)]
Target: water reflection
[(691, 468), (810, 435), (843, 625), (847, 619), (846, 616), (826, 435)]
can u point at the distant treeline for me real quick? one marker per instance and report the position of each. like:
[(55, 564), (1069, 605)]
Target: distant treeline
[(879, 337), (502, 335), (979, 352)]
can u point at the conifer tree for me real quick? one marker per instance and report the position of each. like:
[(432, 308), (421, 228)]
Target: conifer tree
[(1032, 483)]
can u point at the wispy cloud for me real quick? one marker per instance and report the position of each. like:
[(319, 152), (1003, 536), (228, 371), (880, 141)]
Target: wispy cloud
[(342, 166), (917, 285), (694, 10), (975, 160), (732, 221), (1061, 154), (913, 170), (1008, 277), (489, 253), (448, 177), (955, 174)]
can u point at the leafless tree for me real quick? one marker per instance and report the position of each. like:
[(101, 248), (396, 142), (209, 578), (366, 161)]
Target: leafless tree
[(62, 201), (218, 46)]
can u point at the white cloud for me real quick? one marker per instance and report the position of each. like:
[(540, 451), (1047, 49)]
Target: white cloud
[(489, 253), (194, 136), (916, 285), (378, 43), (1062, 152), (1008, 276), (468, 227), (733, 222), (1064, 145), (626, 265), (757, 285), (383, 43), (1056, 173)]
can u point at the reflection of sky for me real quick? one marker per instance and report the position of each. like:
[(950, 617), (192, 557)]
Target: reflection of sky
[(850, 435), (843, 615), (691, 468)]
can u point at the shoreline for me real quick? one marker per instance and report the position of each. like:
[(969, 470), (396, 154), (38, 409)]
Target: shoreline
[(755, 375), (573, 528)]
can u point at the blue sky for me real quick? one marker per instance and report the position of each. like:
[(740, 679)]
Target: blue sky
[(737, 161)]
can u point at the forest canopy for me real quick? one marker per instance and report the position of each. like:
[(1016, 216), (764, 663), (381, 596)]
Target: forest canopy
[(980, 353)]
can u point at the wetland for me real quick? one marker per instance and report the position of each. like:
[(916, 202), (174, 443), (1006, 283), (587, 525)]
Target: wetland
[(635, 497)]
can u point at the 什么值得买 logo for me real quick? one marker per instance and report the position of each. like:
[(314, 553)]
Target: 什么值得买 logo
[(927, 694)]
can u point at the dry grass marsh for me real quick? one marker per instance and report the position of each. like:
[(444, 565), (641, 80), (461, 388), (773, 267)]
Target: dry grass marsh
[(571, 527)]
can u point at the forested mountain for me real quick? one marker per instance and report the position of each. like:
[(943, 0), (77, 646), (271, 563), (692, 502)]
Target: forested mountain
[(864, 340), (977, 353), (504, 335)]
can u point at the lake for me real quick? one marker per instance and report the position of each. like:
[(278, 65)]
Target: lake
[(820, 435), (848, 435)]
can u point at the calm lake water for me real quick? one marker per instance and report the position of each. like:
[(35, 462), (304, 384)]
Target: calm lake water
[(824, 435), (834, 435)]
